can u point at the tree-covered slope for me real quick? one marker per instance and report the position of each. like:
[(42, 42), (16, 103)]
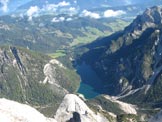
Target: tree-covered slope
[(34, 78)]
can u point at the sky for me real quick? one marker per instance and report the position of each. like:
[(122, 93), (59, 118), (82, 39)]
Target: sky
[(6, 4), (10, 5)]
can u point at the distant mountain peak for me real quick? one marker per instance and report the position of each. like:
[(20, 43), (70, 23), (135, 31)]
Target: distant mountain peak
[(153, 15), (150, 18)]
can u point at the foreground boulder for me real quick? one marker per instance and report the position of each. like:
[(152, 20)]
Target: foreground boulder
[(11, 111), (73, 109)]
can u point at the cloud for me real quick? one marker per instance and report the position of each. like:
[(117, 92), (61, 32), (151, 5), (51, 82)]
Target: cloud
[(50, 7), (34, 10), (60, 19), (72, 9), (63, 3), (31, 11), (112, 13), (4, 3), (86, 13), (69, 19), (53, 7)]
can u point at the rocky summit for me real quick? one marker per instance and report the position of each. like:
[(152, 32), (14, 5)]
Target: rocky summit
[(73, 109)]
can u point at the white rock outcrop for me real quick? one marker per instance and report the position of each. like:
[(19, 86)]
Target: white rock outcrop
[(125, 107), (73, 109), (11, 111), (51, 76)]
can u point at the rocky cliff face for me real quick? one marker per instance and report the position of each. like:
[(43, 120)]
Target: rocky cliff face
[(130, 62), (151, 18)]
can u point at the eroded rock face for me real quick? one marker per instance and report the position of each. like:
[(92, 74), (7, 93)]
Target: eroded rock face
[(73, 109), (51, 76), (11, 111)]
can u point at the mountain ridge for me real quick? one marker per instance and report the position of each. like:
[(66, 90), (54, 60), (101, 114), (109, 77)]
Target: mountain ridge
[(129, 60)]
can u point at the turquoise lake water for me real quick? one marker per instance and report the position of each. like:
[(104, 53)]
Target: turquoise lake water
[(90, 82)]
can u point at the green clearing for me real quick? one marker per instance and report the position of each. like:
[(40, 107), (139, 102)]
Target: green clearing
[(91, 34), (117, 25), (57, 54)]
